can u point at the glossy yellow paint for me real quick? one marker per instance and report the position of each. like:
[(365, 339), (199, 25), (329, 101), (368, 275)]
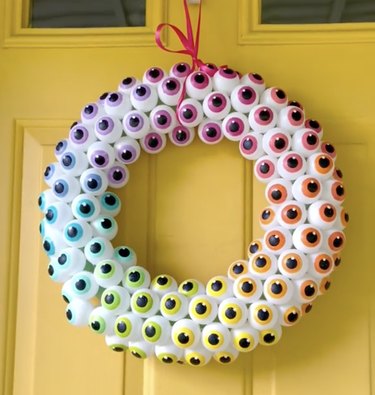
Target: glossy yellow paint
[(187, 212)]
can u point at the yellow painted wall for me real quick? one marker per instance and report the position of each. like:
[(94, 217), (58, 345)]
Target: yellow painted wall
[(47, 77)]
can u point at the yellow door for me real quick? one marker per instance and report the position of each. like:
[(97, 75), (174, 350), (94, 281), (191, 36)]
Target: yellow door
[(187, 212)]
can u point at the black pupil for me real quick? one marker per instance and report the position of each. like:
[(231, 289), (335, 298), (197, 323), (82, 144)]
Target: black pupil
[(72, 231), (127, 81), (274, 240), (141, 91), (92, 183), (263, 315), (154, 73), (106, 223), (311, 139), (187, 286), (261, 262), (264, 115), (200, 308), (124, 252), (78, 134), (181, 68), (292, 162), (62, 259), (247, 144), (247, 287), (280, 143), (95, 248), (312, 186), (280, 94), (324, 264), (150, 331), (216, 286), (292, 213), (181, 135), (170, 304), (100, 160), (234, 127), (213, 339), (246, 94), (110, 200), (109, 299), (153, 142), (103, 124), (106, 268), (171, 85), (291, 263), (296, 115), (85, 208), (117, 175), (276, 194), (113, 97), (199, 78), (183, 338), (134, 277), (126, 155), (67, 160), (217, 101), (162, 280), (276, 288), (134, 122), (312, 237), (238, 269), (329, 212), (324, 162), (230, 313), (142, 301), (211, 132), (264, 168), (188, 114), (162, 119)]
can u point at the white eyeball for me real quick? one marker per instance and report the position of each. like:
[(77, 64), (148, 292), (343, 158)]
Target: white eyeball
[(93, 181), (219, 287), (276, 142), (135, 278), (328, 149), (291, 118), (73, 162), (81, 136), (278, 239), (181, 136), (262, 265), (215, 337), (291, 214), (263, 315), (105, 226), (232, 313), (291, 165), (169, 354), (247, 288), (244, 98), (126, 256), (115, 343), (118, 175), (342, 218), (116, 299), (163, 283), (307, 238), (198, 85), (101, 321), (293, 263), (78, 312), (271, 336), (141, 349), (101, 155), (98, 249), (255, 81), (334, 191), (163, 119), (144, 97), (117, 104), (265, 169), (52, 172), (321, 265), (275, 98), (267, 219), (156, 330), (91, 113), (278, 191), (77, 233), (306, 289), (153, 143), (314, 125), (245, 339), (180, 70), (174, 306), (70, 261), (127, 150), (190, 113), (225, 80), (128, 326), (197, 356), (305, 141), (45, 199), (227, 356), (210, 132), (251, 146), (290, 314), (83, 285), (278, 289), (169, 91), (237, 269), (191, 287), (203, 309), (153, 76), (216, 105), (53, 242), (145, 303), (186, 334), (127, 84), (235, 126), (58, 214), (320, 166), (262, 118), (334, 240), (108, 129), (307, 189), (322, 214), (136, 124)]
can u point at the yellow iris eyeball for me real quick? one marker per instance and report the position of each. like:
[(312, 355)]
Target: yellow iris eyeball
[(232, 312)]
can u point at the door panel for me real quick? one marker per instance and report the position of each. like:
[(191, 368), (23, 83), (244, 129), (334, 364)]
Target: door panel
[(187, 212)]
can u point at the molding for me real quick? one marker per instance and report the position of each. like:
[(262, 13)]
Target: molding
[(18, 35), (252, 32)]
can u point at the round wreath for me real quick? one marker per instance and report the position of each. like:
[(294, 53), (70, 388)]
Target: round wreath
[(284, 271)]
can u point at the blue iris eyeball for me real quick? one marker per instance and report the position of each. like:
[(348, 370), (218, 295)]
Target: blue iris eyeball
[(54, 272), (108, 129), (58, 214), (61, 147), (101, 155), (94, 181), (83, 285), (105, 226), (91, 113), (70, 261), (78, 312), (52, 172), (117, 104), (45, 199), (126, 256), (53, 242), (77, 233), (98, 249), (127, 150), (81, 136), (65, 188), (110, 204), (73, 162), (86, 207)]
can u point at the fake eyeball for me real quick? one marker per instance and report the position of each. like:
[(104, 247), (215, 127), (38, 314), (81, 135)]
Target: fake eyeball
[(237, 269), (322, 214), (232, 313), (199, 356), (169, 354), (105, 226), (45, 199), (153, 76), (263, 315), (321, 265), (54, 272), (278, 191), (269, 337), (115, 343), (291, 165), (278, 289), (227, 356), (275, 98), (210, 132), (117, 104), (306, 289), (244, 98), (225, 80), (255, 81), (307, 189), (328, 149), (91, 113), (118, 175), (145, 302), (290, 314), (108, 273), (58, 214), (334, 191), (278, 239), (141, 349), (163, 284), (101, 321), (198, 85), (127, 150), (70, 261), (67, 292), (337, 174), (162, 119), (245, 339), (101, 155), (53, 242), (320, 166), (156, 330), (77, 233), (262, 118), (127, 84), (65, 188), (93, 181), (108, 129), (174, 306), (169, 91), (251, 146), (293, 263), (144, 97), (314, 125), (307, 238), (262, 265), (110, 204), (291, 119), (128, 326), (276, 142), (305, 141), (61, 147), (81, 136), (126, 256), (219, 287), (191, 287), (73, 162), (181, 136), (83, 285), (78, 312), (98, 249), (216, 105), (267, 219), (291, 214), (136, 124), (324, 285), (85, 207), (186, 333), (135, 278), (334, 240), (342, 219), (265, 169), (52, 172), (235, 126), (247, 288), (190, 113), (153, 143), (180, 70), (203, 309), (215, 337)]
